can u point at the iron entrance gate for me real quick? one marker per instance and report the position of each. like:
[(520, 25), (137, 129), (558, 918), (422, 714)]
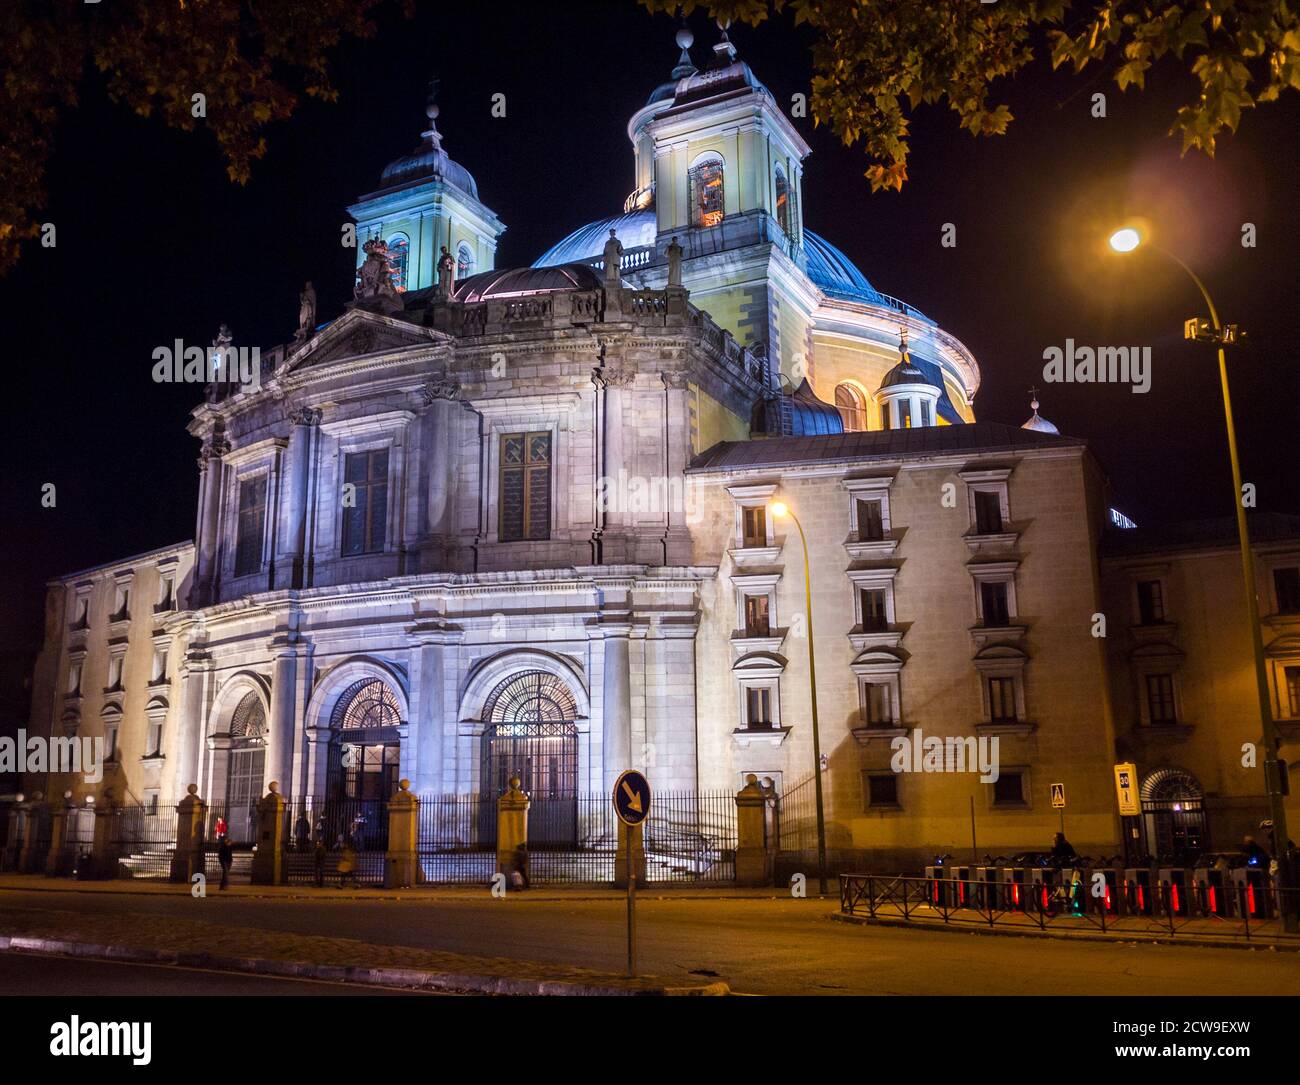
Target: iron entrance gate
[(544, 755)]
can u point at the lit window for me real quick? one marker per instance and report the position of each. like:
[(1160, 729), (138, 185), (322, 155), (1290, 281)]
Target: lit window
[(754, 525), (852, 408), (399, 251), (464, 261), (757, 623), (1293, 689), (782, 200), (707, 192)]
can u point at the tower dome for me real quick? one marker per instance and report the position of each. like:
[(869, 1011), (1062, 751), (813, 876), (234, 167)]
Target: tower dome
[(1037, 422), (906, 396)]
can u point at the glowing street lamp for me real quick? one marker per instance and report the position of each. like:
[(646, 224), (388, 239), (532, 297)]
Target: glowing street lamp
[(1127, 240), (781, 510)]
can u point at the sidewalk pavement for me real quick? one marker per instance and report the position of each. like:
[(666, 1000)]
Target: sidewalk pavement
[(198, 944), (35, 883)]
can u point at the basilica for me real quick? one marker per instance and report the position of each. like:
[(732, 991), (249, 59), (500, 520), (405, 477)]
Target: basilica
[(552, 521)]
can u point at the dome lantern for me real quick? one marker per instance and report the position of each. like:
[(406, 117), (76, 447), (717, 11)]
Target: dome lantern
[(906, 397)]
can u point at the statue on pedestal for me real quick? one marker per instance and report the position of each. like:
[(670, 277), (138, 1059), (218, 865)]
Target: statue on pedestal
[(674, 263), (375, 275), (306, 312), (446, 273), (613, 252)]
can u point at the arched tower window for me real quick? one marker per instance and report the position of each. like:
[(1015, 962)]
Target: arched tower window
[(852, 406), (399, 251), (245, 768), (464, 262), (708, 204), (530, 733), (783, 203)]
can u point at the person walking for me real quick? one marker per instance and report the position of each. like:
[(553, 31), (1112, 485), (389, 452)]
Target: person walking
[(225, 857), (320, 862), (348, 864)]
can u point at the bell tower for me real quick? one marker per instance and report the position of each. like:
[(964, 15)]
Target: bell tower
[(427, 201)]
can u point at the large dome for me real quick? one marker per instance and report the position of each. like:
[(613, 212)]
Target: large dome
[(635, 230), (515, 282), (428, 162)]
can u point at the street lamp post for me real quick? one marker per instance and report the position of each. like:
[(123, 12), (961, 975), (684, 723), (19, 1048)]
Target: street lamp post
[(1127, 240), (780, 509)]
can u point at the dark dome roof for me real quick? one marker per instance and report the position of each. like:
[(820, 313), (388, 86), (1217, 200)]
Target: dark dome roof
[(513, 282), (797, 414), (426, 162), (906, 372)]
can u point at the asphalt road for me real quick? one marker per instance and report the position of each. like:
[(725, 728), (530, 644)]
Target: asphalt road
[(27, 974), (777, 946)]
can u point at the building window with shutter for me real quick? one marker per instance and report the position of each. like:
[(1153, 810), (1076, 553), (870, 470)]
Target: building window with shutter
[(1160, 698), (875, 610), (988, 512), (252, 525), (871, 521), (1151, 602), (1002, 700), (758, 708), (754, 525), (365, 501), (757, 623), (525, 487)]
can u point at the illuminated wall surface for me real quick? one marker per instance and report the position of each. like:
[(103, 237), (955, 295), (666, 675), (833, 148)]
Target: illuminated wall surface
[(556, 472)]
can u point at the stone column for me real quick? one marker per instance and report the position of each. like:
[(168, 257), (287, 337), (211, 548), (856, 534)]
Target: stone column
[(283, 724), (268, 858), (191, 817), (427, 710), (194, 680), (58, 833), (207, 530), (616, 732), (103, 855), (512, 827), (753, 866), (290, 563), (401, 871), (638, 854), (318, 743)]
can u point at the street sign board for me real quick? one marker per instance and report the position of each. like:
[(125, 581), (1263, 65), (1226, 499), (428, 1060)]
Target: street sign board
[(1058, 796), (1126, 790), (631, 797)]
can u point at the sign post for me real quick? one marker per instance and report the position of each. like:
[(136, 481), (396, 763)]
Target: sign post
[(1058, 803), (632, 805)]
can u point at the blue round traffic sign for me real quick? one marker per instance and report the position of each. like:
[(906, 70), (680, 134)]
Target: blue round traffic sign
[(631, 797)]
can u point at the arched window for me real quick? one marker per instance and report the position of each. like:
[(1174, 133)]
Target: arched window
[(782, 201), (249, 720), (530, 733), (399, 251), (708, 204), (366, 704), (464, 262), (852, 407), (1173, 823), (245, 768)]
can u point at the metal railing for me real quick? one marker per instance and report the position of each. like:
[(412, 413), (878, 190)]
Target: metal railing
[(1112, 905), (690, 838), (456, 839)]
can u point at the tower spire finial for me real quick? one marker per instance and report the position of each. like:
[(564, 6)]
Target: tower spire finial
[(431, 111), (685, 66)]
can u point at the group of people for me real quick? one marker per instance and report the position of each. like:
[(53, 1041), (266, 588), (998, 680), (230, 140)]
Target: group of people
[(344, 844)]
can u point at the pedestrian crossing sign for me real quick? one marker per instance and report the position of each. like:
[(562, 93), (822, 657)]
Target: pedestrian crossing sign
[(1058, 796)]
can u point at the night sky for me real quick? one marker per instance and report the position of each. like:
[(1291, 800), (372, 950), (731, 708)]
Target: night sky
[(154, 243)]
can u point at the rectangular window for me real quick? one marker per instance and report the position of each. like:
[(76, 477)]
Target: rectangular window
[(925, 412), (82, 612), (1293, 689), (707, 192), (994, 605), (166, 595), (756, 616), (754, 525), (365, 501), (877, 704), (110, 742), (905, 414), (121, 605), (114, 674), (1151, 602), (988, 512), (155, 738), (882, 789), (151, 803), (886, 417), (875, 618), (1160, 698), (871, 521), (252, 525), (1002, 700), (1287, 584), (525, 487), (1009, 789), (758, 707), (74, 679)]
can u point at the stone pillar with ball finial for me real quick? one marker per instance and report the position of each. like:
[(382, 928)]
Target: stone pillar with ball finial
[(268, 855), (401, 868), (191, 820)]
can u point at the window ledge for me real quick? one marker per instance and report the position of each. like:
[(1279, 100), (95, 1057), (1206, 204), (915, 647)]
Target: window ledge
[(746, 556), (885, 638), (148, 758), (1005, 728), (156, 683), (858, 549), (868, 734), (744, 643), (1162, 732), (998, 540), (744, 737), (115, 689), (984, 635)]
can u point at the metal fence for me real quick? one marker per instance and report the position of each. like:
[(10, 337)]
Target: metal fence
[(572, 841), (1121, 907), (334, 841), (690, 838), (456, 839), (143, 839)]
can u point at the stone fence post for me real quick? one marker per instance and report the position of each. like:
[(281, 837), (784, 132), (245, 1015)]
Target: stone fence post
[(753, 860), (191, 820), (54, 865), (512, 830), (29, 862), (268, 854), (19, 830), (103, 853), (401, 869)]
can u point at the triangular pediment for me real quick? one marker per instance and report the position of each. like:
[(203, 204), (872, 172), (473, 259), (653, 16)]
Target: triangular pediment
[(358, 333)]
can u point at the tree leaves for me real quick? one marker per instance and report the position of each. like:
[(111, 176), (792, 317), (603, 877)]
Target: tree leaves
[(876, 61)]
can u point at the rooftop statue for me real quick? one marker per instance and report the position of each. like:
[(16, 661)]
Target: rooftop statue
[(375, 275)]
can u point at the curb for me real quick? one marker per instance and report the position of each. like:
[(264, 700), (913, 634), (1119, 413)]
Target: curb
[(1145, 938), (460, 982)]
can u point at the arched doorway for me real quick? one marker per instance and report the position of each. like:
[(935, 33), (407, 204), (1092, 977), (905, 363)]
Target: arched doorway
[(1173, 816), (245, 768), (530, 732), (365, 750)]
